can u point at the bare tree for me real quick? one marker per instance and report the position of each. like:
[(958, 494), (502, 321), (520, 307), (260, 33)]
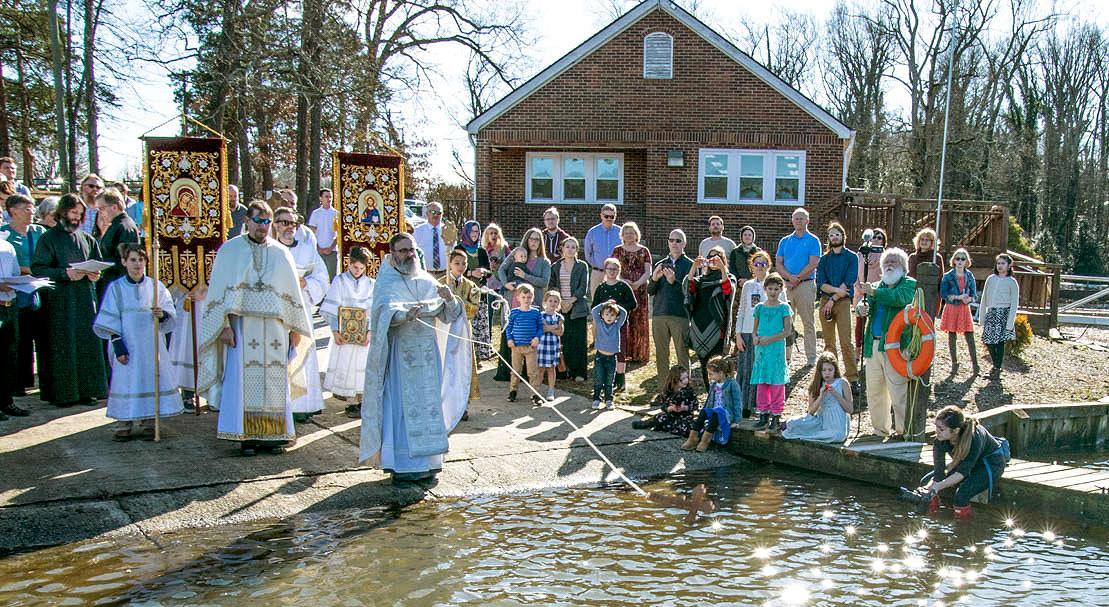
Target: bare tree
[(783, 46)]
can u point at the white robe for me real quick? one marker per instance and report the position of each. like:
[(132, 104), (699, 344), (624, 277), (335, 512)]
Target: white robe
[(417, 377), (304, 371), (125, 311), (346, 369), (254, 291), (181, 343)]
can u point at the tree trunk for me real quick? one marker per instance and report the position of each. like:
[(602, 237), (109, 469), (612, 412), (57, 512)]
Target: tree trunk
[(24, 121), (315, 120), (90, 85), (265, 150), (301, 166), (70, 105), (5, 142), (65, 168), (246, 193)]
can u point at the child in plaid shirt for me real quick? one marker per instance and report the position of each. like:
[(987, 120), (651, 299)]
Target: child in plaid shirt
[(550, 342)]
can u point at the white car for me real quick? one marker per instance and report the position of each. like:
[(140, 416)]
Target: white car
[(413, 212)]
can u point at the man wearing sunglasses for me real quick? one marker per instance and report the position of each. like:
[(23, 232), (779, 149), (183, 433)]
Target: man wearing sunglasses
[(600, 241), (91, 186), (253, 318), (669, 318), (312, 273)]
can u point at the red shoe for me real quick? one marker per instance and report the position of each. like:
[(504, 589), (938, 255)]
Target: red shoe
[(934, 504), (962, 512)]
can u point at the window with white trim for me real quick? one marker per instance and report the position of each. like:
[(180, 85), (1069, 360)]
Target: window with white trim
[(574, 177), (751, 176), (658, 56)]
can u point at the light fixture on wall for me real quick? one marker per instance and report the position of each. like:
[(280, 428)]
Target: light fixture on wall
[(675, 158)]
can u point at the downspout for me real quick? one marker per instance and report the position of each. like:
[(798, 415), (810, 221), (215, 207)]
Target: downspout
[(850, 149), (473, 142)]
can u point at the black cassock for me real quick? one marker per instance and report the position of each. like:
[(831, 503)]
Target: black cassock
[(75, 370)]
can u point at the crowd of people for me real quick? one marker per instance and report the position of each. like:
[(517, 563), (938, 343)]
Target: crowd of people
[(737, 307)]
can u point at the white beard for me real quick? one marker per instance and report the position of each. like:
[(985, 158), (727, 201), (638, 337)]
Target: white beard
[(892, 277), (405, 267)]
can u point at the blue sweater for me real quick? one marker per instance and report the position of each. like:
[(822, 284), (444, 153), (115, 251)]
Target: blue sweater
[(524, 325), (732, 395), (607, 337)]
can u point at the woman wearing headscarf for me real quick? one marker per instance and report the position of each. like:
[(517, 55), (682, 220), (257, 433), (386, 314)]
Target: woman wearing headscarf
[(477, 269)]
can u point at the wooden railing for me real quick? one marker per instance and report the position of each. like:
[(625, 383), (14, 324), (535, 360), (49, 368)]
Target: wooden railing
[(982, 227)]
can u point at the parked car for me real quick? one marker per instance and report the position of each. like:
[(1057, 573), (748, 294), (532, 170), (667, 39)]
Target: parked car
[(414, 212)]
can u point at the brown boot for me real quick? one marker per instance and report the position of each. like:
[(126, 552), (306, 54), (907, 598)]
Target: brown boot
[(706, 439), (690, 442)]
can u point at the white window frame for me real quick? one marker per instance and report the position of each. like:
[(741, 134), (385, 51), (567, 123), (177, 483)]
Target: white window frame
[(670, 73), (769, 176), (559, 158)]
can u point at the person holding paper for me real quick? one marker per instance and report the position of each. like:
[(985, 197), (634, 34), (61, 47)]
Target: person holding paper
[(74, 371), (304, 371), (9, 333)]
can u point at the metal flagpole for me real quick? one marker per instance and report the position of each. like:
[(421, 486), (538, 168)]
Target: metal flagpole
[(946, 115)]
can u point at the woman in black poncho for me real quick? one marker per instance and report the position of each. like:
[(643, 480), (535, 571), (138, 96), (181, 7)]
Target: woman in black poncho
[(709, 291)]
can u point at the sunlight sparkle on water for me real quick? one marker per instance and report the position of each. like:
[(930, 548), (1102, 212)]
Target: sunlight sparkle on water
[(1018, 532), (877, 564), (914, 562), (1027, 583), (762, 553), (922, 533), (1009, 522), (795, 594), (849, 530), (769, 571), (815, 572), (1049, 535), (883, 548), (826, 548), (828, 514), (827, 584), (716, 525)]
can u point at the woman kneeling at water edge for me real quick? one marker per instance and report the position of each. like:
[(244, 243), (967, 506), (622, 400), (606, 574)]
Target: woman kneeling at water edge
[(977, 459)]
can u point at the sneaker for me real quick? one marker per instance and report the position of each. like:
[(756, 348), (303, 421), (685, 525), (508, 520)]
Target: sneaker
[(536, 400), (596, 404), (511, 396), (550, 394), (643, 424), (609, 405), (353, 411)]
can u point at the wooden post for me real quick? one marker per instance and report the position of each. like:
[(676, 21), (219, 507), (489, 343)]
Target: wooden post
[(1053, 316)]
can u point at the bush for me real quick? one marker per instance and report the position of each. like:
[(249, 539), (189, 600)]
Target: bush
[(1024, 336), (1018, 241)]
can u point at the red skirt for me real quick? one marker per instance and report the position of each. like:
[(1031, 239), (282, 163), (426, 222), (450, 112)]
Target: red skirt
[(956, 319)]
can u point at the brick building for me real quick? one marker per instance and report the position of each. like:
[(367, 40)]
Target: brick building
[(662, 116)]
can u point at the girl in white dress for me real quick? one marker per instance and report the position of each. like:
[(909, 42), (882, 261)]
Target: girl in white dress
[(346, 369), (830, 405)]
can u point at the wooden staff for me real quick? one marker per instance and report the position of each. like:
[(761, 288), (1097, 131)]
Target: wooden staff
[(192, 318), (157, 365)]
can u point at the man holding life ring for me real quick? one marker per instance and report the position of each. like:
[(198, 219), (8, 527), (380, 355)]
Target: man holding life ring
[(886, 389)]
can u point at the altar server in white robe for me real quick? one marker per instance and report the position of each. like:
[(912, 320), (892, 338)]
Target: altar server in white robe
[(181, 344), (249, 324), (126, 320), (417, 376), (346, 368), (304, 371)]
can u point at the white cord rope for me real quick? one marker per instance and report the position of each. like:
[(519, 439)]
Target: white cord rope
[(501, 303)]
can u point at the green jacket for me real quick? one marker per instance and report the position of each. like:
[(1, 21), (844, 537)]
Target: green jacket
[(894, 299)]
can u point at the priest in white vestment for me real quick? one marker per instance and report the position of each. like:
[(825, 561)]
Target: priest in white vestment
[(417, 374), (304, 371), (252, 319), (346, 366), (126, 320)]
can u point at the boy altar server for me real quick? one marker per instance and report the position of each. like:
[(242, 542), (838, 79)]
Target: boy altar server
[(346, 368), (126, 320)]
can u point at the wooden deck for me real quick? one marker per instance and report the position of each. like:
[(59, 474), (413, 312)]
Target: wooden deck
[(1080, 494)]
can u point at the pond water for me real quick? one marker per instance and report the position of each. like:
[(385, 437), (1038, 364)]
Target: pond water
[(779, 537)]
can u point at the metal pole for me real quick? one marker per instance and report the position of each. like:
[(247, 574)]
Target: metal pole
[(946, 115), (157, 347)]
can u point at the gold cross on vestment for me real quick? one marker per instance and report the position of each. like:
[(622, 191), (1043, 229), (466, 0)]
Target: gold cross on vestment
[(276, 344), (696, 502), (254, 344)]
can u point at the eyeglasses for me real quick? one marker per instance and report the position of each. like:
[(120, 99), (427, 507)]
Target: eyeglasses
[(676, 240), (960, 259), (761, 264), (260, 220), (535, 238), (285, 222), (608, 217), (434, 212), (612, 269), (94, 186)]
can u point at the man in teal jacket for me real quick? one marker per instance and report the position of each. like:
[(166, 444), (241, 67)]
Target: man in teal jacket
[(885, 387)]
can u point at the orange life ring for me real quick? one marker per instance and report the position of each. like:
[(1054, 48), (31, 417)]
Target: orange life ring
[(910, 316)]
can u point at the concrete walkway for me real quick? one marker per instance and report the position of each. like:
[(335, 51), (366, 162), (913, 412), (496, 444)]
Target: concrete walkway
[(63, 479)]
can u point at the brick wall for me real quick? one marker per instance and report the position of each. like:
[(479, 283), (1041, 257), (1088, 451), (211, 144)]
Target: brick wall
[(604, 104)]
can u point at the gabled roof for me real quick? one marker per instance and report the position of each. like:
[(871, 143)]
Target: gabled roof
[(627, 20)]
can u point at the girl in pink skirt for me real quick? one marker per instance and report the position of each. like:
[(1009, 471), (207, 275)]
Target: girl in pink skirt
[(958, 291)]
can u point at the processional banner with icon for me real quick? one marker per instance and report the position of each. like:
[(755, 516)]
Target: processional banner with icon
[(185, 194), (369, 190)]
